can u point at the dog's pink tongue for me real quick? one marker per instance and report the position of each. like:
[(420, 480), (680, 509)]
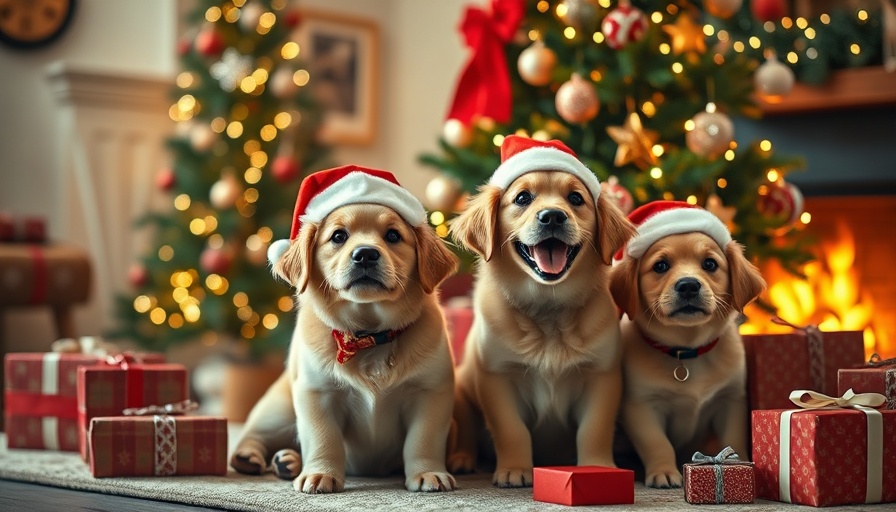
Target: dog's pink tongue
[(550, 257)]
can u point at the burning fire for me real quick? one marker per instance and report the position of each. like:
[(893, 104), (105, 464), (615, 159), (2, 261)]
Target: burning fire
[(830, 296)]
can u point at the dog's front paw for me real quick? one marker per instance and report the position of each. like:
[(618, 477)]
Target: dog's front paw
[(663, 478), (430, 481), (248, 461), (287, 464), (318, 483), (461, 462), (512, 477)]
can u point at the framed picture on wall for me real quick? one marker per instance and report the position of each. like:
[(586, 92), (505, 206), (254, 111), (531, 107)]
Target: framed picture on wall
[(341, 53)]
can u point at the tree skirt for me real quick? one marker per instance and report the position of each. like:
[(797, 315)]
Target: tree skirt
[(267, 493)]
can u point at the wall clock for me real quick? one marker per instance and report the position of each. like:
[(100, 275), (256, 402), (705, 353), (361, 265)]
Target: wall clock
[(33, 23)]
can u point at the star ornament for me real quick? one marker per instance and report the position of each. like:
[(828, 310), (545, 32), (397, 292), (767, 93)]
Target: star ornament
[(686, 35), (724, 213), (635, 143)]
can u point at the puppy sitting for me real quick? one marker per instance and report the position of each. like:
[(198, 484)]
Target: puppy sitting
[(542, 358), (682, 283), (368, 386)]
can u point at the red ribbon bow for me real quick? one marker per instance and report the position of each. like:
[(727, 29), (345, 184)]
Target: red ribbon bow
[(348, 344), (484, 86)]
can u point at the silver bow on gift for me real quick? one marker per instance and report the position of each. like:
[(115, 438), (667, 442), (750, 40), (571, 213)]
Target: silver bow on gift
[(181, 407), (726, 456)]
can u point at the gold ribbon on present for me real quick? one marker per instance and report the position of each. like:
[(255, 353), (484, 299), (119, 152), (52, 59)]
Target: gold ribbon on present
[(815, 342), (182, 407), (863, 402), (87, 345)]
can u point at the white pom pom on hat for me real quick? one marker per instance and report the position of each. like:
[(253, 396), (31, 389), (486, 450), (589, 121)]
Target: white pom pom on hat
[(322, 192), (659, 219), (521, 155)]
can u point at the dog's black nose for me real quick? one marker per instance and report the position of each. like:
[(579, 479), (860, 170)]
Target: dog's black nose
[(551, 217), (365, 256), (687, 287)]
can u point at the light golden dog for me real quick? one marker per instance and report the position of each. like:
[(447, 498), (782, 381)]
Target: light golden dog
[(542, 358), (684, 367), (363, 269)]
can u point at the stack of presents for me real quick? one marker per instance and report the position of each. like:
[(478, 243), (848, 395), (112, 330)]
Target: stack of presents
[(125, 414), (823, 430), (823, 424)]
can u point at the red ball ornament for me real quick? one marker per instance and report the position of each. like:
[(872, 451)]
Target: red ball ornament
[(209, 42), (618, 194), (285, 169), (183, 46), (768, 10), (623, 25), (214, 261), (165, 179), (138, 276), (782, 201), (292, 19)]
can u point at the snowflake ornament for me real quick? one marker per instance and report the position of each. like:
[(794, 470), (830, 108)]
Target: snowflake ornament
[(231, 69)]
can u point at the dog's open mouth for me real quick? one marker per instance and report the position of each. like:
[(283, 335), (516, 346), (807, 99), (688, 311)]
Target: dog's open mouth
[(689, 310), (365, 282), (549, 259)]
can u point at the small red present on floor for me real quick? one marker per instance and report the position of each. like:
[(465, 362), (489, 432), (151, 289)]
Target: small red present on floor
[(877, 376), (583, 485), (720, 479)]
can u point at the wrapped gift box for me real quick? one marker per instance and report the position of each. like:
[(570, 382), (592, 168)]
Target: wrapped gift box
[(825, 460), (780, 363), (41, 398), (106, 390), (880, 379), (583, 485), (158, 445), (720, 479), (459, 319)]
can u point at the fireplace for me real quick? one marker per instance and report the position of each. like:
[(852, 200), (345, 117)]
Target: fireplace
[(851, 285)]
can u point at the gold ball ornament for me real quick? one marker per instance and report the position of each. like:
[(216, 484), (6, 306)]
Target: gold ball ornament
[(282, 84), (577, 101), (712, 134), (577, 13), (457, 133), (442, 193), (202, 137), (250, 15), (722, 8), (225, 192), (773, 80), (536, 64)]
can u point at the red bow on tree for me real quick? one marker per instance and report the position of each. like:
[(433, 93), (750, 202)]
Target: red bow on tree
[(484, 87)]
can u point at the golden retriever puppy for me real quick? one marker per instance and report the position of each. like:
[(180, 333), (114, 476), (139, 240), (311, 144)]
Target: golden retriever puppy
[(368, 385), (682, 283), (542, 359)]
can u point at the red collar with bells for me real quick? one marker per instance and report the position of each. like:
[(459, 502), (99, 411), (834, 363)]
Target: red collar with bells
[(348, 344), (681, 352)]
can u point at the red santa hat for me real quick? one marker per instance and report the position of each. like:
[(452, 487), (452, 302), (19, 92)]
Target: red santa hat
[(325, 191), (660, 219), (521, 155)]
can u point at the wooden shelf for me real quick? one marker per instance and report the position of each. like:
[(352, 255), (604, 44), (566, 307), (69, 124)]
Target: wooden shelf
[(860, 87)]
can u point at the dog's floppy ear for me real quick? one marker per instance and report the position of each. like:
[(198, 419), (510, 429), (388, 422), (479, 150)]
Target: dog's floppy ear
[(294, 266), (624, 286), (746, 281), (613, 229), (476, 227), (434, 261)]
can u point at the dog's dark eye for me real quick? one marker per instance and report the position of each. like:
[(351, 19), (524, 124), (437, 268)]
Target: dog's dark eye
[(393, 236), (339, 236), (710, 265), (576, 199), (524, 198), (661, 267)]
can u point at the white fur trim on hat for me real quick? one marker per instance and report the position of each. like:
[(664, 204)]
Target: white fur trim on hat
[(543, 159), (675, 222), (276, 250), (359, 187)]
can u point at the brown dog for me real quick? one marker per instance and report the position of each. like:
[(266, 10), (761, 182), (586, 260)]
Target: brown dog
[(682, 283), (368, 387), (542, 358)]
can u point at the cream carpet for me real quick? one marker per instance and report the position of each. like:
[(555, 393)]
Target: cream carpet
[(267, 493)]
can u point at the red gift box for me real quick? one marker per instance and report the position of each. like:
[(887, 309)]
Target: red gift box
[(459, 319), (159, 445), (41, 398), (827, 457), (871, 379), (720, 479), (107, 390), (804, 359), (583, 485)]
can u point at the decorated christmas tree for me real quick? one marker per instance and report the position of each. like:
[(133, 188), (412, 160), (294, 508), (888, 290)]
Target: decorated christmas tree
[(644, 92), (245, 136)]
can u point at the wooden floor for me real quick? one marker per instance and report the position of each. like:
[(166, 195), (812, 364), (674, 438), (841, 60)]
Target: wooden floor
[(16, 496)]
